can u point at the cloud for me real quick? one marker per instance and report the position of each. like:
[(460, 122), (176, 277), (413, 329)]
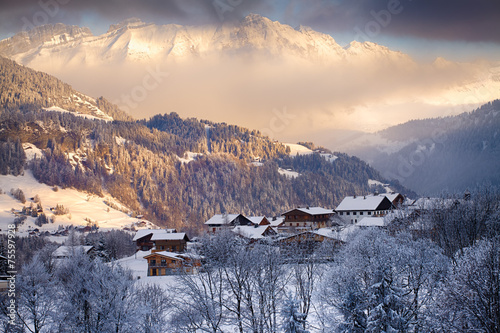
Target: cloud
[(20, 14), (457, 20)]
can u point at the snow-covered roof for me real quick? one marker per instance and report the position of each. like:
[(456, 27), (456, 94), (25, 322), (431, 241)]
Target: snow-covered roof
[(312, 210), (159, 234), (65, 251), (256, 219), (432, 203), (166, 254), (277, 222), (371, 222), (391, 196), (342, 234), (250, 231), (222, 219), (361, 203)]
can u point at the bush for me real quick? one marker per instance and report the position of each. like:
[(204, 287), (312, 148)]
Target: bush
[(60, 210), (41, 220), (18, 194)]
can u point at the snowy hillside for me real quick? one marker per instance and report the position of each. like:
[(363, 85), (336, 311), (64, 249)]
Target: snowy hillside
[(81, 206)]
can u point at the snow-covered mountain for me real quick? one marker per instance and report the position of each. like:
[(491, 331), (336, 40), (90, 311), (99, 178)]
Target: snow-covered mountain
[(134, 40), (252, 68)]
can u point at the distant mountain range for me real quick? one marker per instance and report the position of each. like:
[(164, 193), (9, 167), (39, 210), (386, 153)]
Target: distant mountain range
[(177, 172), (134, 40), (252, 67), (435, 155)]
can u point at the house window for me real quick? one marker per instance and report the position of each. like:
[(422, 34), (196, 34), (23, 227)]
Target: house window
[(341, 213), (348, 213), (162, 247), (174, 248), (164, 262), (360, 213), (369, 213), (152, 262)]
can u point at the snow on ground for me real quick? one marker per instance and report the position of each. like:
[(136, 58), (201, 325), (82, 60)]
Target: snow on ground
[(120, 141), (372, 182), (189, 157), (31, 151), (298, 149), (288, 173), (81, 206), (329, 157), (83, 115)]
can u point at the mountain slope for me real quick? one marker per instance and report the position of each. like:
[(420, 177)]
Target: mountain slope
[(438, 154), (27, 89), (142, 164)]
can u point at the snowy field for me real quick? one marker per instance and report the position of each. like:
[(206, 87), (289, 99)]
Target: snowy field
[(83, 207)]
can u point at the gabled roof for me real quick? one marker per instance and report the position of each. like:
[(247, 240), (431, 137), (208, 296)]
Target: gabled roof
[(252, 232), (364, 203), (222, 219), (65, 251), (311, 210), (160, 234), (169, 236), (391, 196), (167, 254), (257, 219), (371, 222)]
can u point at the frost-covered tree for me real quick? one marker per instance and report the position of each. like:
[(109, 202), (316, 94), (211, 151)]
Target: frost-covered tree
[(470, 300), (95, 297), (153, 308), (382, 283), (37, 297), (293, 320)]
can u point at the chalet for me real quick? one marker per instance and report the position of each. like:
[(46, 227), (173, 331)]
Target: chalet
[(160, 240), (254, 232), (306, 242), (63, 252), (221, 221), (353, 209), (168, 263), (307, 218)]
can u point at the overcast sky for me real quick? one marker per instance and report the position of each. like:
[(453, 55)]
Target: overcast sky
[(455, 29)]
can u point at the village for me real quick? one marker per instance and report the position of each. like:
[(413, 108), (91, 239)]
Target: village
[(299, 231)]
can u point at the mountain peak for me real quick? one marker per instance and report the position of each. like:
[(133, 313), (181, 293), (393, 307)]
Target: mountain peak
[(256, 19)]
